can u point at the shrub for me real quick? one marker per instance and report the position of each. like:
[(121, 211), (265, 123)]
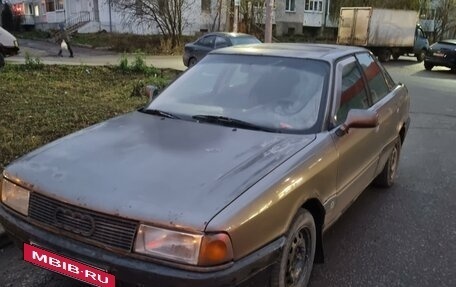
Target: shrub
[(33, 63)]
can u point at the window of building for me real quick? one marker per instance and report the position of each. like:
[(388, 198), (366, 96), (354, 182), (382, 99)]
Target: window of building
[(290, 5), (59, 5), (50, 6), (353, 92), (313, 6), (375, 80), (206, 6), (54, 5)]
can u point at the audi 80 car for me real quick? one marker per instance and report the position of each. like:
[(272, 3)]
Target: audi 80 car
[(228, 177)]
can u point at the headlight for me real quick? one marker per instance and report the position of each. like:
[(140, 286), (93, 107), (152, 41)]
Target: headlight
[(194, 249), (15, 197)]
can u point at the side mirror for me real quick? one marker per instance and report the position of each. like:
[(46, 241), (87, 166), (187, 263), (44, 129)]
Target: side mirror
[(152, 92), (360, 119)]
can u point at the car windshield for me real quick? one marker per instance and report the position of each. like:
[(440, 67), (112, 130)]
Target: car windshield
[(275, 93), (244, 40)]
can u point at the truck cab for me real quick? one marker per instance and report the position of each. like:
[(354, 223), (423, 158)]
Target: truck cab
[(8, 46), (421, 43)]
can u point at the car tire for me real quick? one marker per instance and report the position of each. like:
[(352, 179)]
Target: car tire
[(420, 56), (298, 253), (2, 61), (388, 175), (396, 56), (428, 66), (192, 62), (384, 55)]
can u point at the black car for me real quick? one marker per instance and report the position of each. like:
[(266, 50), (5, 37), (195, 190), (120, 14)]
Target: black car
[(195, 51), (442, 53)]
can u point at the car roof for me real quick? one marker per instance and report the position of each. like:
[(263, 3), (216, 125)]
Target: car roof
[(293, 50), (229, 34)]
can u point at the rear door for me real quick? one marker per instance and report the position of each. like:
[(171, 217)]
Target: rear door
[(354, 26)]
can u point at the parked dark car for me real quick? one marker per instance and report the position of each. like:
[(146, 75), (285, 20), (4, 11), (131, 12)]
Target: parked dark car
[(229, 177), (194, 52), (8, 46), (442, 53)]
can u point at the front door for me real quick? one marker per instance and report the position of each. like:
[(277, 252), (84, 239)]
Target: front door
[(357, 159)]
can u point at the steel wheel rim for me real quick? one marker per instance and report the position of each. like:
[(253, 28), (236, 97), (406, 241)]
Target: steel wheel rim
[(298, 258)]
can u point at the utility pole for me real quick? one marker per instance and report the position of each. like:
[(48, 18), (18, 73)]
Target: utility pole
[(236, 15), (268, 22)]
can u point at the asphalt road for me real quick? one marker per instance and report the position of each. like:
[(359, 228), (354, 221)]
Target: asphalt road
[(404, 236)]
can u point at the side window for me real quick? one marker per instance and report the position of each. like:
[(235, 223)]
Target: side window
[(353, 92), (207, 41), (374, 76), (221, 42)]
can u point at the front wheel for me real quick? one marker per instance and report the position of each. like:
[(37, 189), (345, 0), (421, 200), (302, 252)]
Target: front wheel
[(388, 175), (298, 254), (420, 56), (192, 62), (428, 66)]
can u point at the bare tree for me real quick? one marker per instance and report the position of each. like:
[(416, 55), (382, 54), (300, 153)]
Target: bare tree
[(445, 19), (169, 16)]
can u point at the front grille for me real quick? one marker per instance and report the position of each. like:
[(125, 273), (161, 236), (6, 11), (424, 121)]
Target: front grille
[(89, 226)]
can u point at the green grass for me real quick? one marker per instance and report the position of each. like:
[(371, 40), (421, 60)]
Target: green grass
[(41, 105)]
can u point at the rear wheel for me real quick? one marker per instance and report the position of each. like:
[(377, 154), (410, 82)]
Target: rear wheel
[(384, 55), (428, 66), (388, 175), (420, 56), (2, 61), (298, 254)]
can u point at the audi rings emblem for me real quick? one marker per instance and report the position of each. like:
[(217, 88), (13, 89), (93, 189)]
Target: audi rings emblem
[(74, 221)]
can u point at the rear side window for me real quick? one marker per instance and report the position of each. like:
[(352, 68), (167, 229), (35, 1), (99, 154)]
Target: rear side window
[(244, 40), (375, 79), (207, 41), (221, 42), (353, 92)]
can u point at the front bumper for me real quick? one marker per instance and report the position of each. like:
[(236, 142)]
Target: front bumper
[(449, 61), (9, 51), (185, 59), (252, 270)]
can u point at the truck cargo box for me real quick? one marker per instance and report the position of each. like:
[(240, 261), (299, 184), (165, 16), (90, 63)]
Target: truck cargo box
[(374, 27)]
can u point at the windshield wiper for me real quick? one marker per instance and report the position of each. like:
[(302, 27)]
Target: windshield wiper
[(231, 122), (160, 113)]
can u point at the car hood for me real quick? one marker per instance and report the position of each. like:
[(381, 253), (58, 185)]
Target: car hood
[(164, 171)]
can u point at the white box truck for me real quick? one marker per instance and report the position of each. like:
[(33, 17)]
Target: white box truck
[(8, 46), (386, 32)]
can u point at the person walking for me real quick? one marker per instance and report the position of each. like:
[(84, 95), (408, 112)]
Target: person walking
[(63, 37)]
